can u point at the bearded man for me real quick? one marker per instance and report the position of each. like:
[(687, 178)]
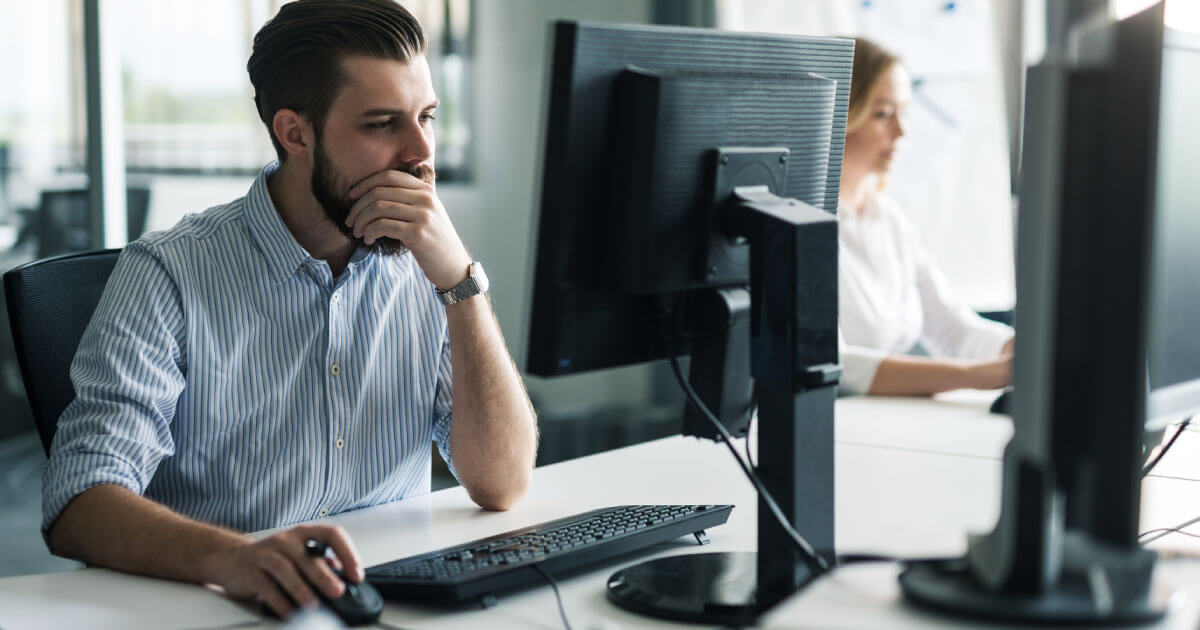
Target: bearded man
[(290, 355)]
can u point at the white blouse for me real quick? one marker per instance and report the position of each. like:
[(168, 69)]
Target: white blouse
[(892, 296)]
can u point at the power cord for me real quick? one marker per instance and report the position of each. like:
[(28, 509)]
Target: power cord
[(557, 596), (1155, 534), (815, 562), (387, 626), (1163, 451)]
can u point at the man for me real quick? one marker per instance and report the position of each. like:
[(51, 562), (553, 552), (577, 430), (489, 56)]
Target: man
[(288, 356)]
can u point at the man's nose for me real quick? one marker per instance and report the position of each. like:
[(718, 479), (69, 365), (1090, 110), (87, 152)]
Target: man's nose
[(415, 146)]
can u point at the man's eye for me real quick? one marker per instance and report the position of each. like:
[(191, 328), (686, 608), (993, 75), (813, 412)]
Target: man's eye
[(428, 118), (383, 124)]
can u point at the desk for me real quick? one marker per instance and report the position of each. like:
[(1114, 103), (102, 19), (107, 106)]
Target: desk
[(913, 477)]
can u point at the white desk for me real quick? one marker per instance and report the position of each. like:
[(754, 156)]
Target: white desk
[(913, 477)]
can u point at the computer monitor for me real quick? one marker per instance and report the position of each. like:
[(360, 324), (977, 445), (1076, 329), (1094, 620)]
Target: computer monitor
[(1106, 234), (1174, 352), (689, 185)]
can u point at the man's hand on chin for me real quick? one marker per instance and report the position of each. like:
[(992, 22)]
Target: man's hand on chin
[(399, 205)]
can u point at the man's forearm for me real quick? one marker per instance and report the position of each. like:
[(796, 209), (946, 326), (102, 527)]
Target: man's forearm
[(110, 526), (493, 438)]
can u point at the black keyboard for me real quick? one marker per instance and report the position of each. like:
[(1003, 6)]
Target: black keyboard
[(475, 571)]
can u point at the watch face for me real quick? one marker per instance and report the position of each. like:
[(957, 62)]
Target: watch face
[(480, 278)]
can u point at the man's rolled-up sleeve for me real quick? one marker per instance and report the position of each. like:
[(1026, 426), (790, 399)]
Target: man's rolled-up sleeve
[(128, 374)]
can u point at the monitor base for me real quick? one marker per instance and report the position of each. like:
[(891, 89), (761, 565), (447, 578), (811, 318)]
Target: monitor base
[(708, 588), (948, 586)]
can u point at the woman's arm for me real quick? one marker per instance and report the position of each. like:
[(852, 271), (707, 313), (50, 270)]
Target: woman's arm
[(903, 375)]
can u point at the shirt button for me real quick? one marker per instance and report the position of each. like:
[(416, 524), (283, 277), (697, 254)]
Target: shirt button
[(340, 443), (336, 369), (337, 296), (324, 512)]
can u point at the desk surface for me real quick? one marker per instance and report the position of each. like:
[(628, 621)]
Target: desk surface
[(913, 477)]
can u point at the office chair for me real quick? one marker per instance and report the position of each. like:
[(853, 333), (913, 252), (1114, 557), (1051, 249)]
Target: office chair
[(65, 225), (50, 303)]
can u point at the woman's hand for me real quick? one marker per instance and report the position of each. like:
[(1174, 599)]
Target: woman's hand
[(989, 374)]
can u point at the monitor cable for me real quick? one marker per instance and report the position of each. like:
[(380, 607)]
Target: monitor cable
[(1166, 447), (1152, 535), (557, 595), (815, 562)]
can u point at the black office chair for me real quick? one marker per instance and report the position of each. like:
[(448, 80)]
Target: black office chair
[(50, 303), (65, 225)]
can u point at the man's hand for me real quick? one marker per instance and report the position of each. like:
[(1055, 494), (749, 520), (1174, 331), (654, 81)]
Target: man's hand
[(278, 571), (398, 205)]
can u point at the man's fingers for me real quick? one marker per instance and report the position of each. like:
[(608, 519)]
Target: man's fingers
[(377, 198), (401, 231), (385, 210), (281, 569), (270, 595), (395, 178), (344, 549), (319, 574)]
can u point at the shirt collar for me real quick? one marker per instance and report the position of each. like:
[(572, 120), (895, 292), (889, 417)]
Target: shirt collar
[(282, 253)]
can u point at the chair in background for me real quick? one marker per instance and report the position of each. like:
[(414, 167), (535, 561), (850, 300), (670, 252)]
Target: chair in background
[(50, 303), (65, 225)]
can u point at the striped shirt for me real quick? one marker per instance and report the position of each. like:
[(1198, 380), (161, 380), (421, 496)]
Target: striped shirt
[(229, 376)]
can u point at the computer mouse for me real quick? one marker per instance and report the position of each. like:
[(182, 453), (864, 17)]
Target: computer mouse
[(359, 605), (1003, 402)]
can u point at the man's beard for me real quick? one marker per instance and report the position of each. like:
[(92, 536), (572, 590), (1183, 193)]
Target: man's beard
[(331, 191)]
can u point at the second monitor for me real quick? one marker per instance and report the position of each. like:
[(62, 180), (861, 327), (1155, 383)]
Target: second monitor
[(689, 184)]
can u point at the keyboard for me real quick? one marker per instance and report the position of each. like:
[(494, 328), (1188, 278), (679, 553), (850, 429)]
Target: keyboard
[(476, 571)]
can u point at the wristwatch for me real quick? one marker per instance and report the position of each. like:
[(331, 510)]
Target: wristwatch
[(476, 283)]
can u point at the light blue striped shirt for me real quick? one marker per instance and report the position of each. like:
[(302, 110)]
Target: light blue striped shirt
[(229, 376)]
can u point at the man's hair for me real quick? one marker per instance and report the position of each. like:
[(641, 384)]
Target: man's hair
[(297, 55)]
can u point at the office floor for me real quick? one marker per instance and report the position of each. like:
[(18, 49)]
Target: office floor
[(21, 548)]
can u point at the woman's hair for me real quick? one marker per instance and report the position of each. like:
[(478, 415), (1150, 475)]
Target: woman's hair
[(871, 63), (297, 55)]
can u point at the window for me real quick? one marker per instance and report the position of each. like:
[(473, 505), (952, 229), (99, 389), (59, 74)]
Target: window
[(192, 137), (189, 106)]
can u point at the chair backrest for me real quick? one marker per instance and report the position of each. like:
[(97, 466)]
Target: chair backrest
[(65, 223), (50, 303)]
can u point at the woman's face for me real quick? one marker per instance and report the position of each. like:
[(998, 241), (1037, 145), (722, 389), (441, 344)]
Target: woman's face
[(870, 147)]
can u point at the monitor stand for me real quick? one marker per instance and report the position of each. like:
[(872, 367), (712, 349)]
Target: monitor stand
[(793, 287), (1030, 569)]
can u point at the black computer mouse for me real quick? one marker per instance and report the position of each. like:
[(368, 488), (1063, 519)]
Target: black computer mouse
[(359, 605), (1003, 402)]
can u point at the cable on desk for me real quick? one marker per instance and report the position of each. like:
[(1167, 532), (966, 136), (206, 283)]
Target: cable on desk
[(1169, 530), (557, 596), (1163, 451), (1155, 534), (383, 625)]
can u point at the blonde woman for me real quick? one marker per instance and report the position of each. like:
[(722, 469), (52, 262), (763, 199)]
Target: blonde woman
[(892, 296)]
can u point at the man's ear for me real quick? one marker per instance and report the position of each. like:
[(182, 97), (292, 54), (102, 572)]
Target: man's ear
[(294, 132)]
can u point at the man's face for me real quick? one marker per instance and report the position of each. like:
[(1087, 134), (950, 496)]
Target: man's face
[(382, 119)]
